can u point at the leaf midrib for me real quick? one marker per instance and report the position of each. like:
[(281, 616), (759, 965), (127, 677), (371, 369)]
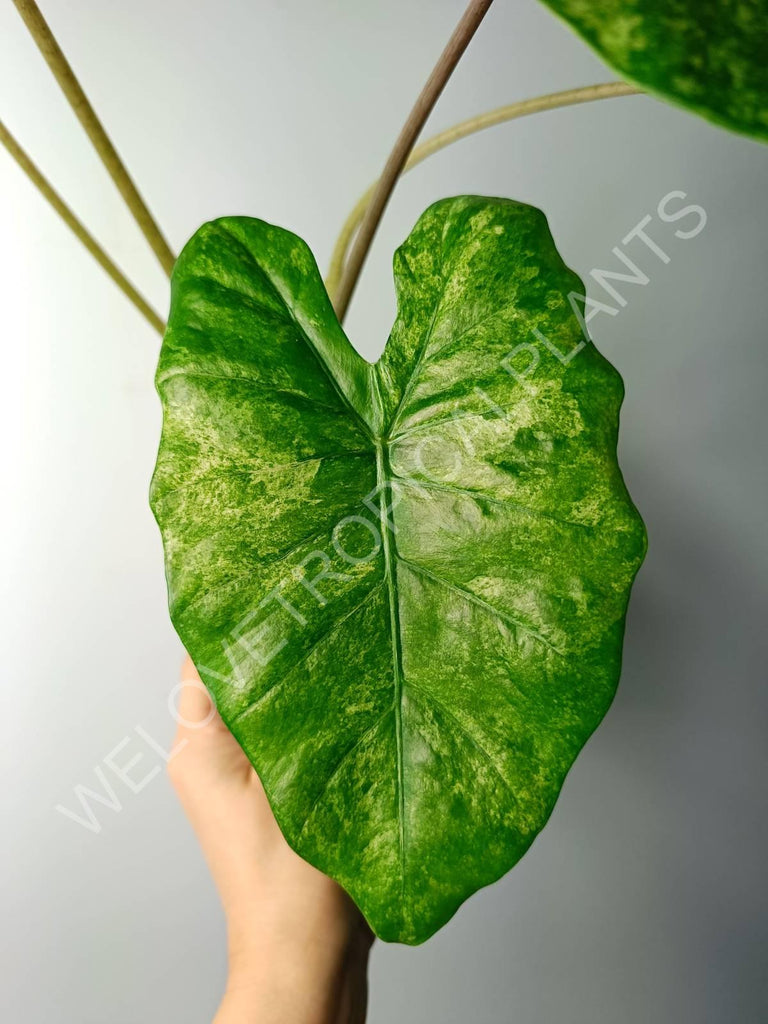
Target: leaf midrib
[(390, 556)]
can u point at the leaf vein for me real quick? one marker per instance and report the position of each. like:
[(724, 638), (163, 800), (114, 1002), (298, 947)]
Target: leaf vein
[(324, 368), (264, 562), (435, 702), (481, 602), (431, 485), (339, 764), (306, 655), (245, 467), (254, 383)]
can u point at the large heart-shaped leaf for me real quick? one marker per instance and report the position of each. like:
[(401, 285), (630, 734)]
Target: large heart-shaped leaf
[(405, 584), (710, 56)]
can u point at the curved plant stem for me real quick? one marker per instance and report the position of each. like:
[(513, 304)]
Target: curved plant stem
[(435, 84), (77, 227), (72, 89), (510, 112)]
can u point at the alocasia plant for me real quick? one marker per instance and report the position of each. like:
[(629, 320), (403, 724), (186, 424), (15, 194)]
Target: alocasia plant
[(405, 583)]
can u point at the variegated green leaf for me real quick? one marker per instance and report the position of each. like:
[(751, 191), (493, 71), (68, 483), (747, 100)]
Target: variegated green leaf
[(405, 584), (710, 56)]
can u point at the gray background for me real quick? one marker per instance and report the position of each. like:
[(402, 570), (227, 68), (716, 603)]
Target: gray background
[(644, 900)]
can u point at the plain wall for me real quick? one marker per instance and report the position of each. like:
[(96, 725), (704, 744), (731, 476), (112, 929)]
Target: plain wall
[(644, 899)]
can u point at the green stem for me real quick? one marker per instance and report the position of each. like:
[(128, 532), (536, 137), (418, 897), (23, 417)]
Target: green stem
[(94, 129), (429, 95), (551, 101), (77, 227)]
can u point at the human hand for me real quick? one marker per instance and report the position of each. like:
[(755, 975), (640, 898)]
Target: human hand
[(298, 947)]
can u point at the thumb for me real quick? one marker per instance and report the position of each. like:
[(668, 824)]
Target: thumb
[(195, 708), (203, 742)]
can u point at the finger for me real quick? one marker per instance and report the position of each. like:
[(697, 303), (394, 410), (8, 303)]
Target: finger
[(194, 709), (203, 740)]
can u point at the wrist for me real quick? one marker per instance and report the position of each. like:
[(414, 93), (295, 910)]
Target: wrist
[(279, 972), (276, 983), (263, 937)]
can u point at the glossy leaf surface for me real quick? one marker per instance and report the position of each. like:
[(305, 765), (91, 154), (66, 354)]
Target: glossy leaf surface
[(405, 583), (706, 55)]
